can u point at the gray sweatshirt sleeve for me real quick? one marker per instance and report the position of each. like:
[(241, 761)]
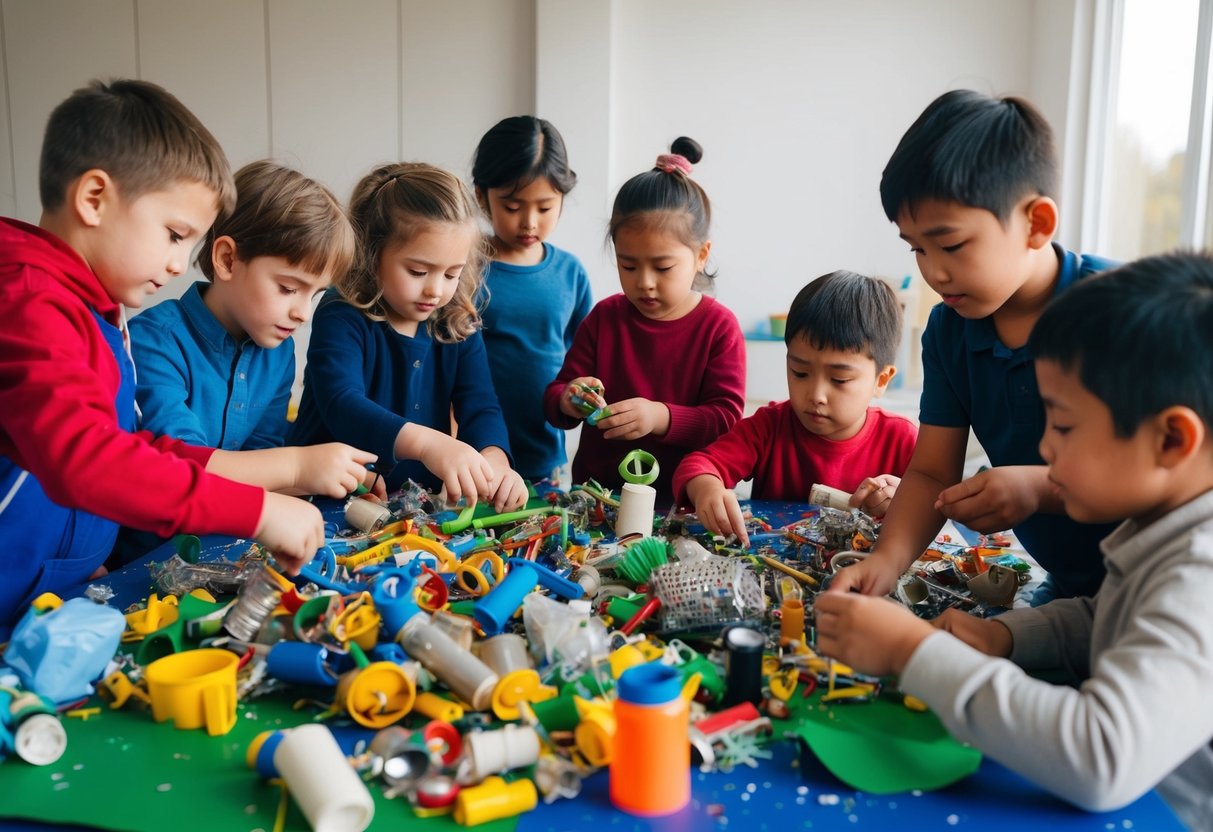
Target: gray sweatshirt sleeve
[(1056, 636), (1142, 712)]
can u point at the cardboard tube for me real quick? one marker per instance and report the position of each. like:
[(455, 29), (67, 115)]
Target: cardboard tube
[(329, 793), (636, 504)]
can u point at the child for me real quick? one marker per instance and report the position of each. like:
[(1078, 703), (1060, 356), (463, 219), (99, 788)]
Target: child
[(671, 358), (389, 360), (842, 333), (971, 187), (1123, 367), (537, 294), (216, 367), (130, 181)]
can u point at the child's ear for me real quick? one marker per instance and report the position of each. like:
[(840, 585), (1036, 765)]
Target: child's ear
[(884, 377), (701, 258), (1181, 434), (482, 199), (90, 195), (223, 257), (1042, 221)]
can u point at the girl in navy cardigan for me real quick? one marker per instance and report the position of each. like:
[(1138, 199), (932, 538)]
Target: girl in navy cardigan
[(397, 351)]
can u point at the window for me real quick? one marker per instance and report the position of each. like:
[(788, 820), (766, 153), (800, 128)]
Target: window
[(1154, 144)]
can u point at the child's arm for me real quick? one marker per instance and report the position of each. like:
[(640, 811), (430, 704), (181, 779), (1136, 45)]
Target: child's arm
[(464, 471), (717, 507), (912, 520), (332, 469), (579, 367), (999, 498), (707, 477)]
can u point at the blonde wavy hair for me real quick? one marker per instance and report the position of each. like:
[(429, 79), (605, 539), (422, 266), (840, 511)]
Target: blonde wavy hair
[(390, 206)]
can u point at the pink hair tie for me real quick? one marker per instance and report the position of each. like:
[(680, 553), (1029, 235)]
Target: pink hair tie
[(670, 162)]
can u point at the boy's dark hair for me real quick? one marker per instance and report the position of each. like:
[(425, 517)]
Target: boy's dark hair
[(1137, 336), (847, 311), (282, 213), (970, 148), (518, 150), (139, 134)]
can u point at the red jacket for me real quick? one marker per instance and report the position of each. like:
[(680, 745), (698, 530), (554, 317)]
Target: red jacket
[(58, 381), (785, 460)]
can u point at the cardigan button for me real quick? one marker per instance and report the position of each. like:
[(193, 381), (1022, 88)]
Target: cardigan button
[(417, 364)]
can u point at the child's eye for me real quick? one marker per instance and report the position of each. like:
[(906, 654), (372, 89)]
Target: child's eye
[(174, 237), (1061, 430), (452, 276), (664, 269), (286, 290), (416, 273), (915, 250), (953, 249), (840, 381), (799, 375), (627, 268)]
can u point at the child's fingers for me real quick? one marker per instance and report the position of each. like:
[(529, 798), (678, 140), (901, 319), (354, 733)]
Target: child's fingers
[(363, 457), (737, 521)]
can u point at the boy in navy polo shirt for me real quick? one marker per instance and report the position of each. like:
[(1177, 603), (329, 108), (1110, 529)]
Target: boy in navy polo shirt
[(970, 187)]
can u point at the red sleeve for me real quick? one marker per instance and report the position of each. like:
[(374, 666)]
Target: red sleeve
[(721, 399), (57, 420), (580, 360), (732, 458)]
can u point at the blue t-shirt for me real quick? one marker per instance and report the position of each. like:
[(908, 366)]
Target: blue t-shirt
[(970, 378), (532, 314), (365, 381), (197, 384)]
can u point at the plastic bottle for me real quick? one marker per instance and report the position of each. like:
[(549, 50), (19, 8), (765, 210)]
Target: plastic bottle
[(651, 766)]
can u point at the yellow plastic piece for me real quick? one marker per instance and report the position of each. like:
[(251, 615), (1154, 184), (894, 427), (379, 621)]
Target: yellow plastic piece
[(359, 624), (629, 655), (159, 613), (436, 707), (195, 689), (381, 551), (83, 713), (117, 689), (783, 684), (47, 601), (494, 799), (848, 693), (377, 695), (473, 567), (595, 734), (517, 687), (914, 703)]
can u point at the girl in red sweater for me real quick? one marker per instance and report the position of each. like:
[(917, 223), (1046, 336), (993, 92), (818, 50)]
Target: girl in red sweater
[(669, 360)]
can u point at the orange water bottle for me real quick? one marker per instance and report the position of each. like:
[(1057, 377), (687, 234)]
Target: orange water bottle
[(651, 765)]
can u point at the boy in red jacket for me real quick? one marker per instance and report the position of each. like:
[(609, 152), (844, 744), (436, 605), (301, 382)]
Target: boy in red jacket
[(842, 333), (130, 181)]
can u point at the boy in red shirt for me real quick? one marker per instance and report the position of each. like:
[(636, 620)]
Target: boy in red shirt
[(130, 181), (842, 334)]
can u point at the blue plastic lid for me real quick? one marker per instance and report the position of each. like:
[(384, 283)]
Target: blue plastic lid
[(649, 684)]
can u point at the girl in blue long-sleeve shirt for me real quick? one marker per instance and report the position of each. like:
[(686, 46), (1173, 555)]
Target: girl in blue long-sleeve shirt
[(397, 351)]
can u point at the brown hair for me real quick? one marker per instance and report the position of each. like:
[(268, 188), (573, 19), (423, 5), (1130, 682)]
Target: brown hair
[(282, 213), (390, 206), (139, 134)]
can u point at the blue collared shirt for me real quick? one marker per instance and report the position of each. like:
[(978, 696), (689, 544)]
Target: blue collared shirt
[(197, 384), (970, 378)]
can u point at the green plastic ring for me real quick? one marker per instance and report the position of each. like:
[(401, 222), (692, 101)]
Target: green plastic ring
[(639, 467)]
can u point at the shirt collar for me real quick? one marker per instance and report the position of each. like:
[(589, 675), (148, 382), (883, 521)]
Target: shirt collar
[(1129, 545), (980, 334), (202, 319)]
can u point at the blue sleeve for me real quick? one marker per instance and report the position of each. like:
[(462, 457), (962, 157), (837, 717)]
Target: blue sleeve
[(163, 390), (270, 432), (481, 423), (341, 347), (940, 404), (584, 302)]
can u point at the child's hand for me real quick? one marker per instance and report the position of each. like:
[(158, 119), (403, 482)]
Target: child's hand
[(511, 490), (463, 470), (984, 634), (332, 469), (995, 499), (875, 494), (375, 485), (290, 528), (585, 387), (634, 418), (874, 575), (717, 507), (875, 636)]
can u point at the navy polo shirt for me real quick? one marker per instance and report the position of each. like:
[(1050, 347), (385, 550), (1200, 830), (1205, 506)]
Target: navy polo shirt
[(197, 384), (970, 378)]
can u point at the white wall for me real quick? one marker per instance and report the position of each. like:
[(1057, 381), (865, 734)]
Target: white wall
[(797, 104)]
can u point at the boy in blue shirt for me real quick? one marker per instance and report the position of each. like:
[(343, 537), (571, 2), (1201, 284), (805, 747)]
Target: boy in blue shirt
[(216, 367), (970, 187)]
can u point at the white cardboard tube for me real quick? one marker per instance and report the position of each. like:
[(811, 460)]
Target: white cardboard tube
[(330, 794), (495, 752), (636, 504)]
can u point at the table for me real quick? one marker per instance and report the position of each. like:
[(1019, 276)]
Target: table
[(168, 778)]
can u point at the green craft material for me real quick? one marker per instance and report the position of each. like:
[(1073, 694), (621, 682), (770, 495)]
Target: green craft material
[(124, 771), (880, 747), (623, 609), (642, 557)]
